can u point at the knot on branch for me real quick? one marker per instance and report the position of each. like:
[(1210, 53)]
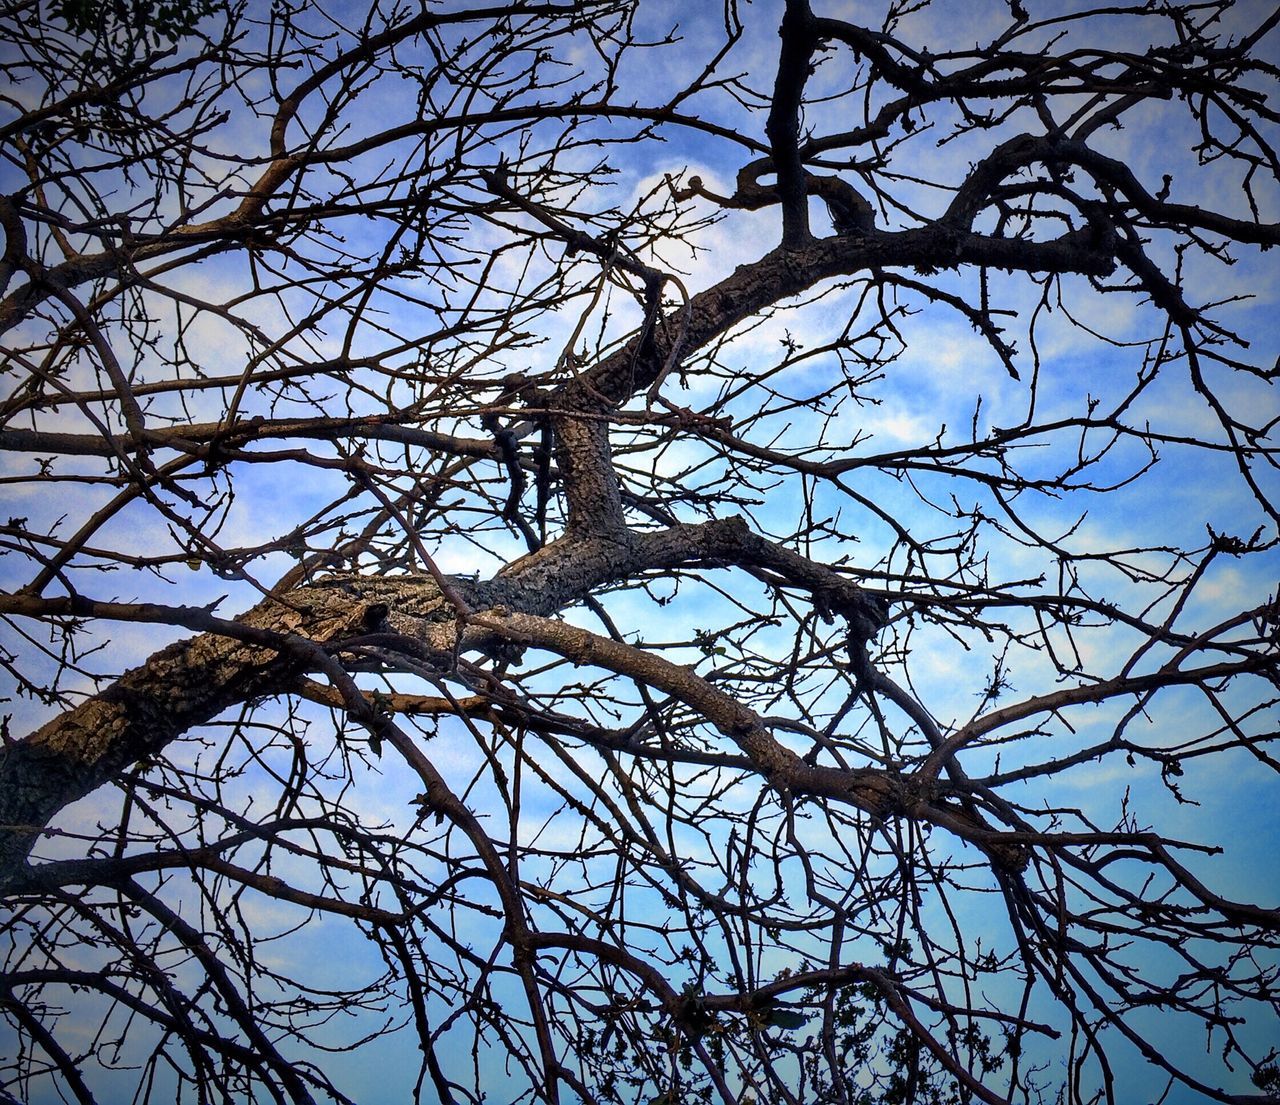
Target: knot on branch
[(864, 614), (851, 213), (1009, 856)]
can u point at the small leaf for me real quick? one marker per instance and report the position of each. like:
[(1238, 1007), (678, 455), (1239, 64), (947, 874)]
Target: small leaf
[(786, 1018)]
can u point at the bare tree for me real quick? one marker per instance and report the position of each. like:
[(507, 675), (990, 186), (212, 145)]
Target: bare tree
[(755, 537)]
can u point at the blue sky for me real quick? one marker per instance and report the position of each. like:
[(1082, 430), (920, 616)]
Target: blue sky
[(936, 382)]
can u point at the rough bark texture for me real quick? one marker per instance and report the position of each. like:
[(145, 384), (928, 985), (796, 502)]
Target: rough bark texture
[(191, 682)]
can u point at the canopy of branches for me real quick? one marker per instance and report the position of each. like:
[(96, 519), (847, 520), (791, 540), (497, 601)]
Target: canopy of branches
[(756, 533)]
